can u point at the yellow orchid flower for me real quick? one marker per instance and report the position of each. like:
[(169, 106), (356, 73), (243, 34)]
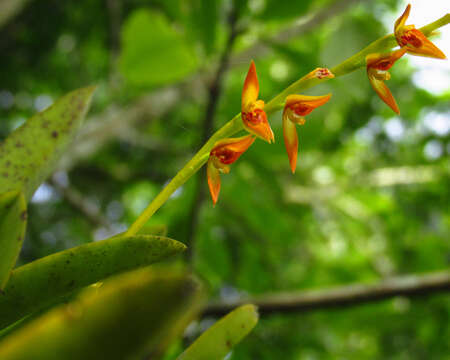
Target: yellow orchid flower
[(253, 114), (224, 153), (413, 39)]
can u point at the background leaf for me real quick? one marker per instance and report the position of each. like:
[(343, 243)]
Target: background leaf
[(153, 60), (48, 280), (13, 222), (216, 342), (30, 153), (126, 316)]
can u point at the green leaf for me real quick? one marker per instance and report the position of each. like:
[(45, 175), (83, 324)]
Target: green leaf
[(48, 280), (29, 154), (13, 222), (216, 342), (126, 317), (154, 53)]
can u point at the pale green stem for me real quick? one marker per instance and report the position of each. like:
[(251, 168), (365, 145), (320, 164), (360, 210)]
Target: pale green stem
[(199, 159), (235, 125)]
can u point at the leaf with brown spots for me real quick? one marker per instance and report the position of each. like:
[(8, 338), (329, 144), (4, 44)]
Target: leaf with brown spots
[(13, 221), (47, 281), (216, 342), (28, 156)]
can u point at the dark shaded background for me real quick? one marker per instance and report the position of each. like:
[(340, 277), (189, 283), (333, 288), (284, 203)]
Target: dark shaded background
[(369, 199)]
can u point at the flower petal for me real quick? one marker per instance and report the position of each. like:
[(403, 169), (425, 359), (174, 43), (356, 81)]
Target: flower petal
[(400, 23), (426, 47), (213, 176), (251, 88), (290, 139), (382, 90)]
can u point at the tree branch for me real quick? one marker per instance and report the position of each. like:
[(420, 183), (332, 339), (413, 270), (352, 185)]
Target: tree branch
[(349, 295), (9, 9), (81, 204), (215, 91)]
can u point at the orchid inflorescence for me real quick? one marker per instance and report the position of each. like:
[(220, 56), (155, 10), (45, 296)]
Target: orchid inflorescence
[(296, 106), (221, 150), (410, 40)]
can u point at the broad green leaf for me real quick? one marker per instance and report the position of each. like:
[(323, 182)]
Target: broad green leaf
[(216, 342), (29, 154), (13, 222), (48, 280), (126, 317), (154, 53)]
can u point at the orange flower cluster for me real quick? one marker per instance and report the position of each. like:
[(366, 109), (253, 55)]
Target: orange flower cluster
[(296, 107), (254, 118), (410, 40)]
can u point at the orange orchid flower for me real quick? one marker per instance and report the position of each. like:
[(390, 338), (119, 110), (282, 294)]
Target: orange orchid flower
[(224, 153), (253, 114), (296, 107), (377, 66), (413, 39)]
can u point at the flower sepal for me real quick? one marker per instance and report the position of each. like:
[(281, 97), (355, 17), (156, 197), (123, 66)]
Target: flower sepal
[(253, 115)]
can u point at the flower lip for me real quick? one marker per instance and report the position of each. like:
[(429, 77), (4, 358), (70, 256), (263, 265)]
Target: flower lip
[(256, 123)]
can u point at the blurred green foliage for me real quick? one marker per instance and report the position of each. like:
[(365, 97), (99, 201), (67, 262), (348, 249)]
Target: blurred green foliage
[(141, 52), (369, 199)]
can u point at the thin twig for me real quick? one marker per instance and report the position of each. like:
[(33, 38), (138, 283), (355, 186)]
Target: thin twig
[(349, 295), (115, 17), (215, 91), (82, 204), (10, 9)]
